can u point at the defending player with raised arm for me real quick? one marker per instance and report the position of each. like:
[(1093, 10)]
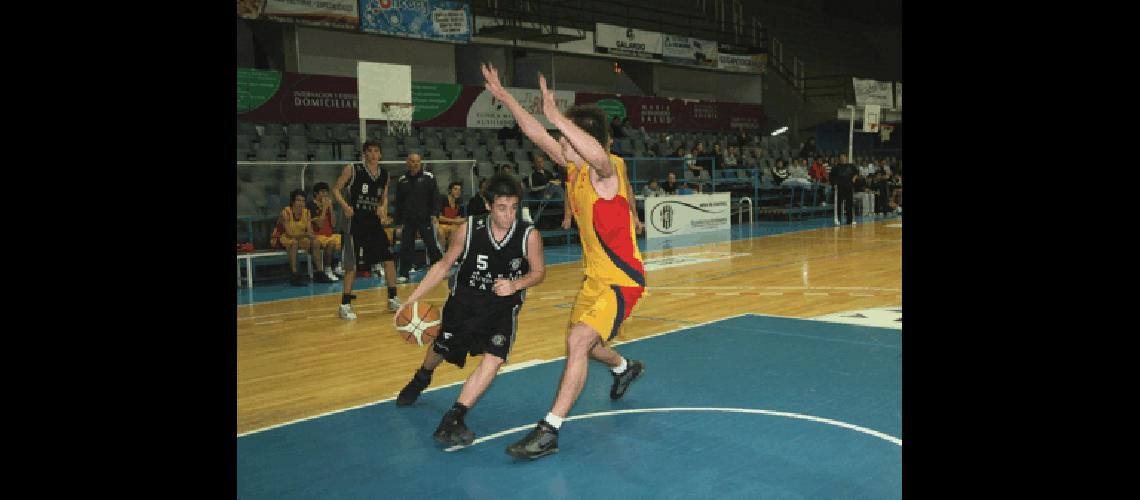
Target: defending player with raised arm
[(615, 274)]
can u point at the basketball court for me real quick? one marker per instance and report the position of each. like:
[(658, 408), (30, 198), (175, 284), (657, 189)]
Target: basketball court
[(773, 369)]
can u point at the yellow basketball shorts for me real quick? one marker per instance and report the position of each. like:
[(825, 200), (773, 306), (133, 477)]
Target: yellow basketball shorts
[(603, 306), (334, 240)]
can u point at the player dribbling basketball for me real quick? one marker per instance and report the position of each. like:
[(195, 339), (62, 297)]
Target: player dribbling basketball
[(500, 257)]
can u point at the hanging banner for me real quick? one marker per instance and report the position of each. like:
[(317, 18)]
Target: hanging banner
[(744, 63), (898, 96), (689, 51), (661, 114), (872, 92), (272, 96), (489, 112), (326, 13), (628, 42), (439, 20)]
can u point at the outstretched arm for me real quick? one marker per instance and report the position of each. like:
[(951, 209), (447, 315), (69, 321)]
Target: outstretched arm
[(591, 150), (527, 123), (439, 270)]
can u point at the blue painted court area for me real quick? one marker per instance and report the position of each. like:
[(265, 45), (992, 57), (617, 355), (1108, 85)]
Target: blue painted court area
[(555, 254), (829, 425)]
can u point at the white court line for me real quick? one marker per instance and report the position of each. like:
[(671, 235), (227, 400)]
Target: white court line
[(505, 368), (800, 416)]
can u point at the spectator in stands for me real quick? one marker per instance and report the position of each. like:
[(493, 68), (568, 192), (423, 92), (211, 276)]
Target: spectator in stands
[(616, 128), (842, 178), (685, 189), (798, 174), (896, 193), (866, 170), (450, 216), (324, 223), (543, 183), (718, 157), (670, 186), (818, 175), (742, 138), (808, 149), (732, 159), (703, 160), (779, 172), (652, 189), (417, 203), (478, 203), (297, 232)]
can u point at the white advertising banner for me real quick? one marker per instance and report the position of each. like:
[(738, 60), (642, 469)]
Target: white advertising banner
[(898, 96), (689, 51), (747, 63), (488, 112), (629, 42), (682, 220), (873, 92)]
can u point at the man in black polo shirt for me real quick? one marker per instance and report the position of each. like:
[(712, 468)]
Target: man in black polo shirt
[(842, 177), (417, 203)]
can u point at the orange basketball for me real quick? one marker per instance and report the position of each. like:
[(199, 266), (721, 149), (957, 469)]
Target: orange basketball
[(419, 323)]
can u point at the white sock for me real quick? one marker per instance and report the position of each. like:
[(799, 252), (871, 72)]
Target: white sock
[(620, 369), (554, 420)]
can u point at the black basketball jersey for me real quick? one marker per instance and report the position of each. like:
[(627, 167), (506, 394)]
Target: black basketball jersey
[(484, 260), (365, 191)]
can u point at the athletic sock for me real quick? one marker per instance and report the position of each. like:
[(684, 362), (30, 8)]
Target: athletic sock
[(554, 420), (620, 369), (391, 292)]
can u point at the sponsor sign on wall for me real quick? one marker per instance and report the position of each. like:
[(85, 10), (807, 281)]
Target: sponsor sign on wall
[(440, 20), (683, 220), (628, 42), (489, 112), (689, 51), (327, 13)]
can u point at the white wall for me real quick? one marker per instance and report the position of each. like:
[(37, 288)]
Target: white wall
[(430, 61)]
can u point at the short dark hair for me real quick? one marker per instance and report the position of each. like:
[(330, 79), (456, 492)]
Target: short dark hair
[(320, 186), (371, 142), (502, 185), (453, 184), (295, 194), (592, 119)]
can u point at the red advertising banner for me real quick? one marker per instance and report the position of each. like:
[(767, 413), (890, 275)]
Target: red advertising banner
[(660, 114), (266, 96)]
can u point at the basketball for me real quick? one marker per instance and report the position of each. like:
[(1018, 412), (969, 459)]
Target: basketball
[(419, 323)]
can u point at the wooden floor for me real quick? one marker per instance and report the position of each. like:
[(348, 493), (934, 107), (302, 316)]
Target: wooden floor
[(297, 359)]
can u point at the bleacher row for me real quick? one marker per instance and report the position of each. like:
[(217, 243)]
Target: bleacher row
[(320, 142)]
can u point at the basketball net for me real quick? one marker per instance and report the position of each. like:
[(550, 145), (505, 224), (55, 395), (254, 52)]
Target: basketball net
[(399, 117), (885, 132)]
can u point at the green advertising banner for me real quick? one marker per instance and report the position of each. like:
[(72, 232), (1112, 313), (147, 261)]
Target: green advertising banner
[(432, 99), (612, 107), (255, 87)]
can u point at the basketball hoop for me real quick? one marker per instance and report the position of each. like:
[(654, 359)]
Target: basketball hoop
[(399, 117)]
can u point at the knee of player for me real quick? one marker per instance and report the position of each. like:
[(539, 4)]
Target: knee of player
[(581, 337)]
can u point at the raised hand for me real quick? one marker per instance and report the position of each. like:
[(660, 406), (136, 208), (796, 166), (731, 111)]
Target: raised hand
[(491, 76), (549, 107)]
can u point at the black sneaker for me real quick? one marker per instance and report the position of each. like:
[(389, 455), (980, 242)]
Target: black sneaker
[(542, 441), (321, 277), (411, 392), (452, 430), (621, 382)]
